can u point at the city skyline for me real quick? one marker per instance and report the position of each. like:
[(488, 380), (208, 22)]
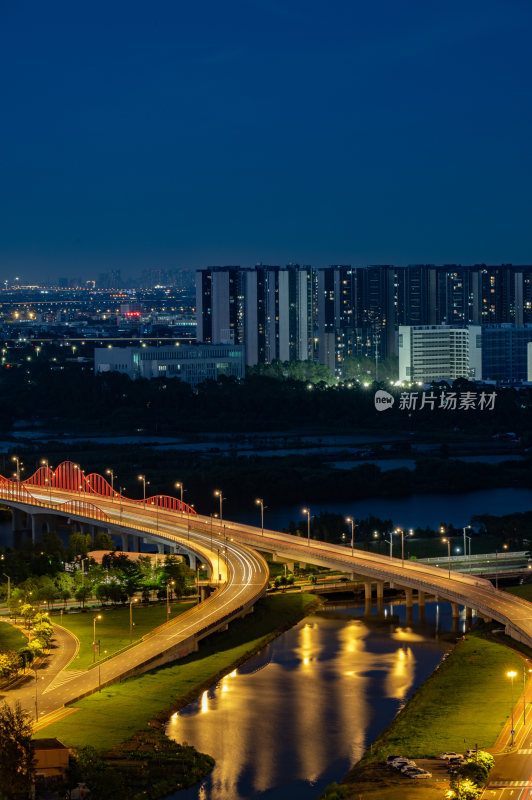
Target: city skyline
[(263, 134)]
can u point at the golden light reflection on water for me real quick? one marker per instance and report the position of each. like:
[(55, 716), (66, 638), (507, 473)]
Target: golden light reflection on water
[(318, 689)]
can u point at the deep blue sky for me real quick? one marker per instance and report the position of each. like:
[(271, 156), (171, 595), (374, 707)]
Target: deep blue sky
[(178, 134)]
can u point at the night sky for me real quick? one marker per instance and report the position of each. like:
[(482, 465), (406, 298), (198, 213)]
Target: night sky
[(173, 134)]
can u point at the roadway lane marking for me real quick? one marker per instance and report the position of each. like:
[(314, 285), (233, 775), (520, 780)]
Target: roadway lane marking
[(64, 677), (525, 752)]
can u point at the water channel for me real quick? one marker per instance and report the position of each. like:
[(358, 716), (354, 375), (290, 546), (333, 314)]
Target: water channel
[(298, 715)]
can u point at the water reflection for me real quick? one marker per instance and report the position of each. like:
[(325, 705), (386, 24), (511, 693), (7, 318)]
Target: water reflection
[(298, 715)]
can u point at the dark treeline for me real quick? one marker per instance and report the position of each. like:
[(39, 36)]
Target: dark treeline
[(283, 480), (72, 397)]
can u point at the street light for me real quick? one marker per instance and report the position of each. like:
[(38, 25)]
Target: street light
[(448, 543), (179, 486), (143, 479), (526, 669), (45, 463), (260, 502), (410, 533), (390, 542), (170, 583), (307, 512), (504, 547), (18, 462), (98, 616), (111, 472), (121, 490), (218, 493), (512, 675), (131, 601), (352, 523)]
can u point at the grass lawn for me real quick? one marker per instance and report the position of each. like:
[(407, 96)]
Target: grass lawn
[(377, 782), (10, 637), (465, 702), (105, 719), (113, 629), (524, 591)]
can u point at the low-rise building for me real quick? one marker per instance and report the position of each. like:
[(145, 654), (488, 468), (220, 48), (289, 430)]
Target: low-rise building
[(439, 352), (194, 363)]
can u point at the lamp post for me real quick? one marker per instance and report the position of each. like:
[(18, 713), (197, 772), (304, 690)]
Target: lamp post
[(390, 542), (170, 583), (410, 533), (467, 527), (8, 586), (45, 463), (307, 512), (131, 601), (504, 547), (36, 705), (179, 486), (448, 543), (16, 459), (512, 675), (260, 502), (98, 616), (111, 472), (218, 493), (351, 521), (121, 491), (143, 479)]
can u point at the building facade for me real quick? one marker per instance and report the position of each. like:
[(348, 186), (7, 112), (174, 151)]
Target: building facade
[(193, 364), (439, 352)]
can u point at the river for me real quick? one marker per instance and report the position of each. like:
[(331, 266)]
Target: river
[(416, 510), (298, 715)]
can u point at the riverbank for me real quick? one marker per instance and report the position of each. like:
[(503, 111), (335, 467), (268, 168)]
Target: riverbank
[(116, 724), (449, 712)]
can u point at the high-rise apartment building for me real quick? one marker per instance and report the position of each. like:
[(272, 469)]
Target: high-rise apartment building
[(220, 305)]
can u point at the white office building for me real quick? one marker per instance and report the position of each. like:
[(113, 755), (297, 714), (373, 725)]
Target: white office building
[(439, 352), (193, 364)]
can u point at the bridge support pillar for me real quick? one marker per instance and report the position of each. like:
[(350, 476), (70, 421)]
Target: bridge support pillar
[(160, 548), (469, 616), (486, 619), (455, 608), (125, 542), (368, 590), (421, 599), (17, 520), (380, 597), (38, 523), (192, 560), (408, 598), (134, 543)]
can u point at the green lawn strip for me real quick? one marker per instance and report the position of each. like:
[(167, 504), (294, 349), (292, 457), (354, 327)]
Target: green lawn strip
[(113, 629), (524, 591), (108, 718), (11, 638), (466, 701)]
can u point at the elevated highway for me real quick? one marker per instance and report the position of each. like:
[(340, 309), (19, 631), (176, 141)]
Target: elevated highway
[(232, 553)]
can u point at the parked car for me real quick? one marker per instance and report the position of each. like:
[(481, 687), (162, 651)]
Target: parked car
[(406, 770), (472, 753), (420, 773), (389, 759), (456, 762), (450, 754), (399, 763)]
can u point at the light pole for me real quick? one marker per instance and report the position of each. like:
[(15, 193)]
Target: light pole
[(179, 486), (36, 705), (122, 489), (351, 521), (131, 601), (307, 512), (98, 616), (8, 586), (504, 547), (260, 502), (143, 479), (390, 542), (111, 472), (218, 493), (410, 533), (16, 459), (170, 583), (512, 675), (467, 527), (448, 543), (45, 463)]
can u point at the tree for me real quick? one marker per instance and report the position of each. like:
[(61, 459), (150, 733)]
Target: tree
[(16, 753), (103, 541), (79, 544), (9, 663), (81, 594)]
